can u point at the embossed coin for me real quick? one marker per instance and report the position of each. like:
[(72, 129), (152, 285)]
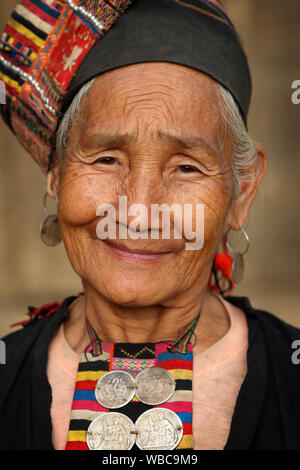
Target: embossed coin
[(111, 431), (154, 386), (50, 232), (237, 267), (115, 389), (158, 429)]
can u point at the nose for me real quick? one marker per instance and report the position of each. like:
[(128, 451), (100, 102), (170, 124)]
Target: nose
[(144, 188)]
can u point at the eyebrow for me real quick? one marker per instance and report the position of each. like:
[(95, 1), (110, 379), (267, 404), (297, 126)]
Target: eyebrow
[(118, 140), (108, 140), (188, 142)]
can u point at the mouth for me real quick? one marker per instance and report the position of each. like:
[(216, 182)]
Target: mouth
[(121, 251)]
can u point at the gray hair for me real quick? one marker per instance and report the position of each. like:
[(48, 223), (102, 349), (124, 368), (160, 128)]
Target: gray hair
[(244, 154), (71, 116), (245, 158)]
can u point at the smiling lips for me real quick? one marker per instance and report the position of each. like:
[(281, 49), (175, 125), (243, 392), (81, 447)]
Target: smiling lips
[(121, 251)]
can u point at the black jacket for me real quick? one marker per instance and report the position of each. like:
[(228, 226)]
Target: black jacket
[(267, 411)]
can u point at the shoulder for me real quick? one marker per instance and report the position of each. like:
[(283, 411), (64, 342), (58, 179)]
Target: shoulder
[(41, 321), (25, 393), (279, 339), (274, 326)]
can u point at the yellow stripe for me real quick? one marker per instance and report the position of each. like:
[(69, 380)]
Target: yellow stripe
[(10, 81), (182, 374), (77, 436), (186, 442), (26, 32), (90, 375)]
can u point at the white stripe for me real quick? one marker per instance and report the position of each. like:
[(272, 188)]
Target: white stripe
[(85, 414), (35, 20)]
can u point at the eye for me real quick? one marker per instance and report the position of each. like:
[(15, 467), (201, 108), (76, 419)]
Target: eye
[(107, 160), (188, 168)]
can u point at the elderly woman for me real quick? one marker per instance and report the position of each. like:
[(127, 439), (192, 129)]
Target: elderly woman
[(129, 107)]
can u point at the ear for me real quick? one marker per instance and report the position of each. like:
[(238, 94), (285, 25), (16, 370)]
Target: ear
[(241, 204), (52, 184)]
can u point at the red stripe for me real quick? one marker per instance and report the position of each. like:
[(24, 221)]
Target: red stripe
[(10, 91), (76, 445), (87, 405), (23, 39), (176, 364), (85, 385), (39, 13), (187, 428), (177, 406)]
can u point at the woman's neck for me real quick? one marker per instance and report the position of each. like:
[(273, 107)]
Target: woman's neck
[(114, 323)]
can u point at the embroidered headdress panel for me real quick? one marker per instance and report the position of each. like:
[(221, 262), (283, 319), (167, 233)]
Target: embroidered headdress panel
[(41, 48)]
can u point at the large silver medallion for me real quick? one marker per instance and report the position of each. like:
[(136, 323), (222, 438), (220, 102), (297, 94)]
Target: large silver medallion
[(115, 389), (154, 386), (111, 431), (158, 429)]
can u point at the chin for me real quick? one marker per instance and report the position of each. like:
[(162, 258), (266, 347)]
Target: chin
[(132, 291)]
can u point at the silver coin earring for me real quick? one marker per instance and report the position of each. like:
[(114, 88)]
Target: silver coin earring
[(238, 265), (49, 230)]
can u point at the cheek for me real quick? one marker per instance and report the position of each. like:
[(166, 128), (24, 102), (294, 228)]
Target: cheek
[(81, 193), (217, 206), (213, 200), (208, 230)]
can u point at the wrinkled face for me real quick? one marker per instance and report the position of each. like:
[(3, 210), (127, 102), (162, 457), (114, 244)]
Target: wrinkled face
[(150, 133)]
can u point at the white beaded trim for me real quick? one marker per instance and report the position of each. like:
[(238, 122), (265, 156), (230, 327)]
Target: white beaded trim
[(86, 14), (31, 80)]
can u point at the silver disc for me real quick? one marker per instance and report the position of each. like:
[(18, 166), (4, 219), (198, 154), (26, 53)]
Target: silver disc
[(238, 267), (115, 389), (111, 431), (158, 429), (50, 232), (154, 386)]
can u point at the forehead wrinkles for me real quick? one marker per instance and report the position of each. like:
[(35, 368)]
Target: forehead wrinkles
[(154, 102), (137, 101)]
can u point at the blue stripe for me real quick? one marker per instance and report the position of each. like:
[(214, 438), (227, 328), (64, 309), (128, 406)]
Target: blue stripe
[(185, 417), (15, 53), (169, 356), (84, 395), (99, 34), (46, 8)]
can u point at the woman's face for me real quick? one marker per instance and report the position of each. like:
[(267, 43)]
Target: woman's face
[(150, 133)]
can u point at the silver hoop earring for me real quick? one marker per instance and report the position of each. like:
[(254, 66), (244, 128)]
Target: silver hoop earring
[(49, 229), (238, 265)]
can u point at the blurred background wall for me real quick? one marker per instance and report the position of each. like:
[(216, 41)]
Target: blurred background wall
[(33, 274)]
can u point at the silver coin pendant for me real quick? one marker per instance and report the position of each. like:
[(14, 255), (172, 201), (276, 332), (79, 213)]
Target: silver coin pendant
[(154, 386), (111, 431), (158, 429), (115, 389)]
